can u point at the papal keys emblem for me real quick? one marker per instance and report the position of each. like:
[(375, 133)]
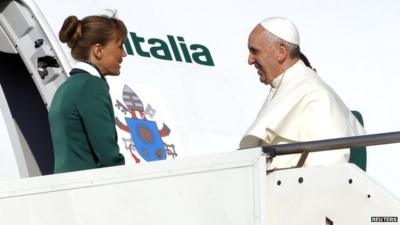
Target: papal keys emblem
[(146, 138)]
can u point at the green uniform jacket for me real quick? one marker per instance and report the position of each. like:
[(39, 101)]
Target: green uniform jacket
[(82, 125)]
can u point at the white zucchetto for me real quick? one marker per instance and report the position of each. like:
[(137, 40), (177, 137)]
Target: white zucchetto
[(282, 28)]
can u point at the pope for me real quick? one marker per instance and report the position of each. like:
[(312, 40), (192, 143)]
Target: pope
[(300, 105)]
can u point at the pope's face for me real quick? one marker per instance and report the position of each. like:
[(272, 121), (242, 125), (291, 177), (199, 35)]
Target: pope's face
[(262, 54)]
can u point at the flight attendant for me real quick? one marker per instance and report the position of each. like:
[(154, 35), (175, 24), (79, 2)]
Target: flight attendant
[(81, 115)]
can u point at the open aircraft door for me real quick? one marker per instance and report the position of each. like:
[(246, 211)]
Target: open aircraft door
[(31, 69)]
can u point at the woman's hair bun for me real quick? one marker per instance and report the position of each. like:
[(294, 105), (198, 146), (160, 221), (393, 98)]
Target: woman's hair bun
[(70, 31)]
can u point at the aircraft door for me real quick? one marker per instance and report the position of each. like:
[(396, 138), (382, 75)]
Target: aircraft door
[(30, 72)]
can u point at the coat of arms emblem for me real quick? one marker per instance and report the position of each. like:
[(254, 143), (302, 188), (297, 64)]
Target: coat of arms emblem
[(146, 138)]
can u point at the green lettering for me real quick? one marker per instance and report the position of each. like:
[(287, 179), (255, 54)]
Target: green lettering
[(184, 50), (202, 57), (128, 47), (136, 42), (168, 50), (174, 48), (162, 48)]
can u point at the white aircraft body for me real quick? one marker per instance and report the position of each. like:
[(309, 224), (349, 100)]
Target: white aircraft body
[(186, 77)]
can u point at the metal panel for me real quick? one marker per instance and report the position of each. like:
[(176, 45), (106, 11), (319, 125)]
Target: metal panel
[(18, 18), (213, 190), (342, 194), (6, 44)]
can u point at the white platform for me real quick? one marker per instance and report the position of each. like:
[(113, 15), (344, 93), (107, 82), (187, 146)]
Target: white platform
[(228, 188)]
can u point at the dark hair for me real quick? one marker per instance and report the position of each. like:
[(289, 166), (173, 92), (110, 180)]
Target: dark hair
[(303, 58), (81, 35), (295, 51)]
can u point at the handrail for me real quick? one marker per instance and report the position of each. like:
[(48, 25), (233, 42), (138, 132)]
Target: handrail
[(332, 144)]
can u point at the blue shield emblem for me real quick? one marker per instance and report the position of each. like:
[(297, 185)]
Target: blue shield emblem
[(147, 139)]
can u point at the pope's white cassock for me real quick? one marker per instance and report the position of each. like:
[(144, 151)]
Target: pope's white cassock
[(301, 107)]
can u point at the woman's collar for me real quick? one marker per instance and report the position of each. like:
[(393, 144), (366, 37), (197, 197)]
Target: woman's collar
[(88, 67)]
